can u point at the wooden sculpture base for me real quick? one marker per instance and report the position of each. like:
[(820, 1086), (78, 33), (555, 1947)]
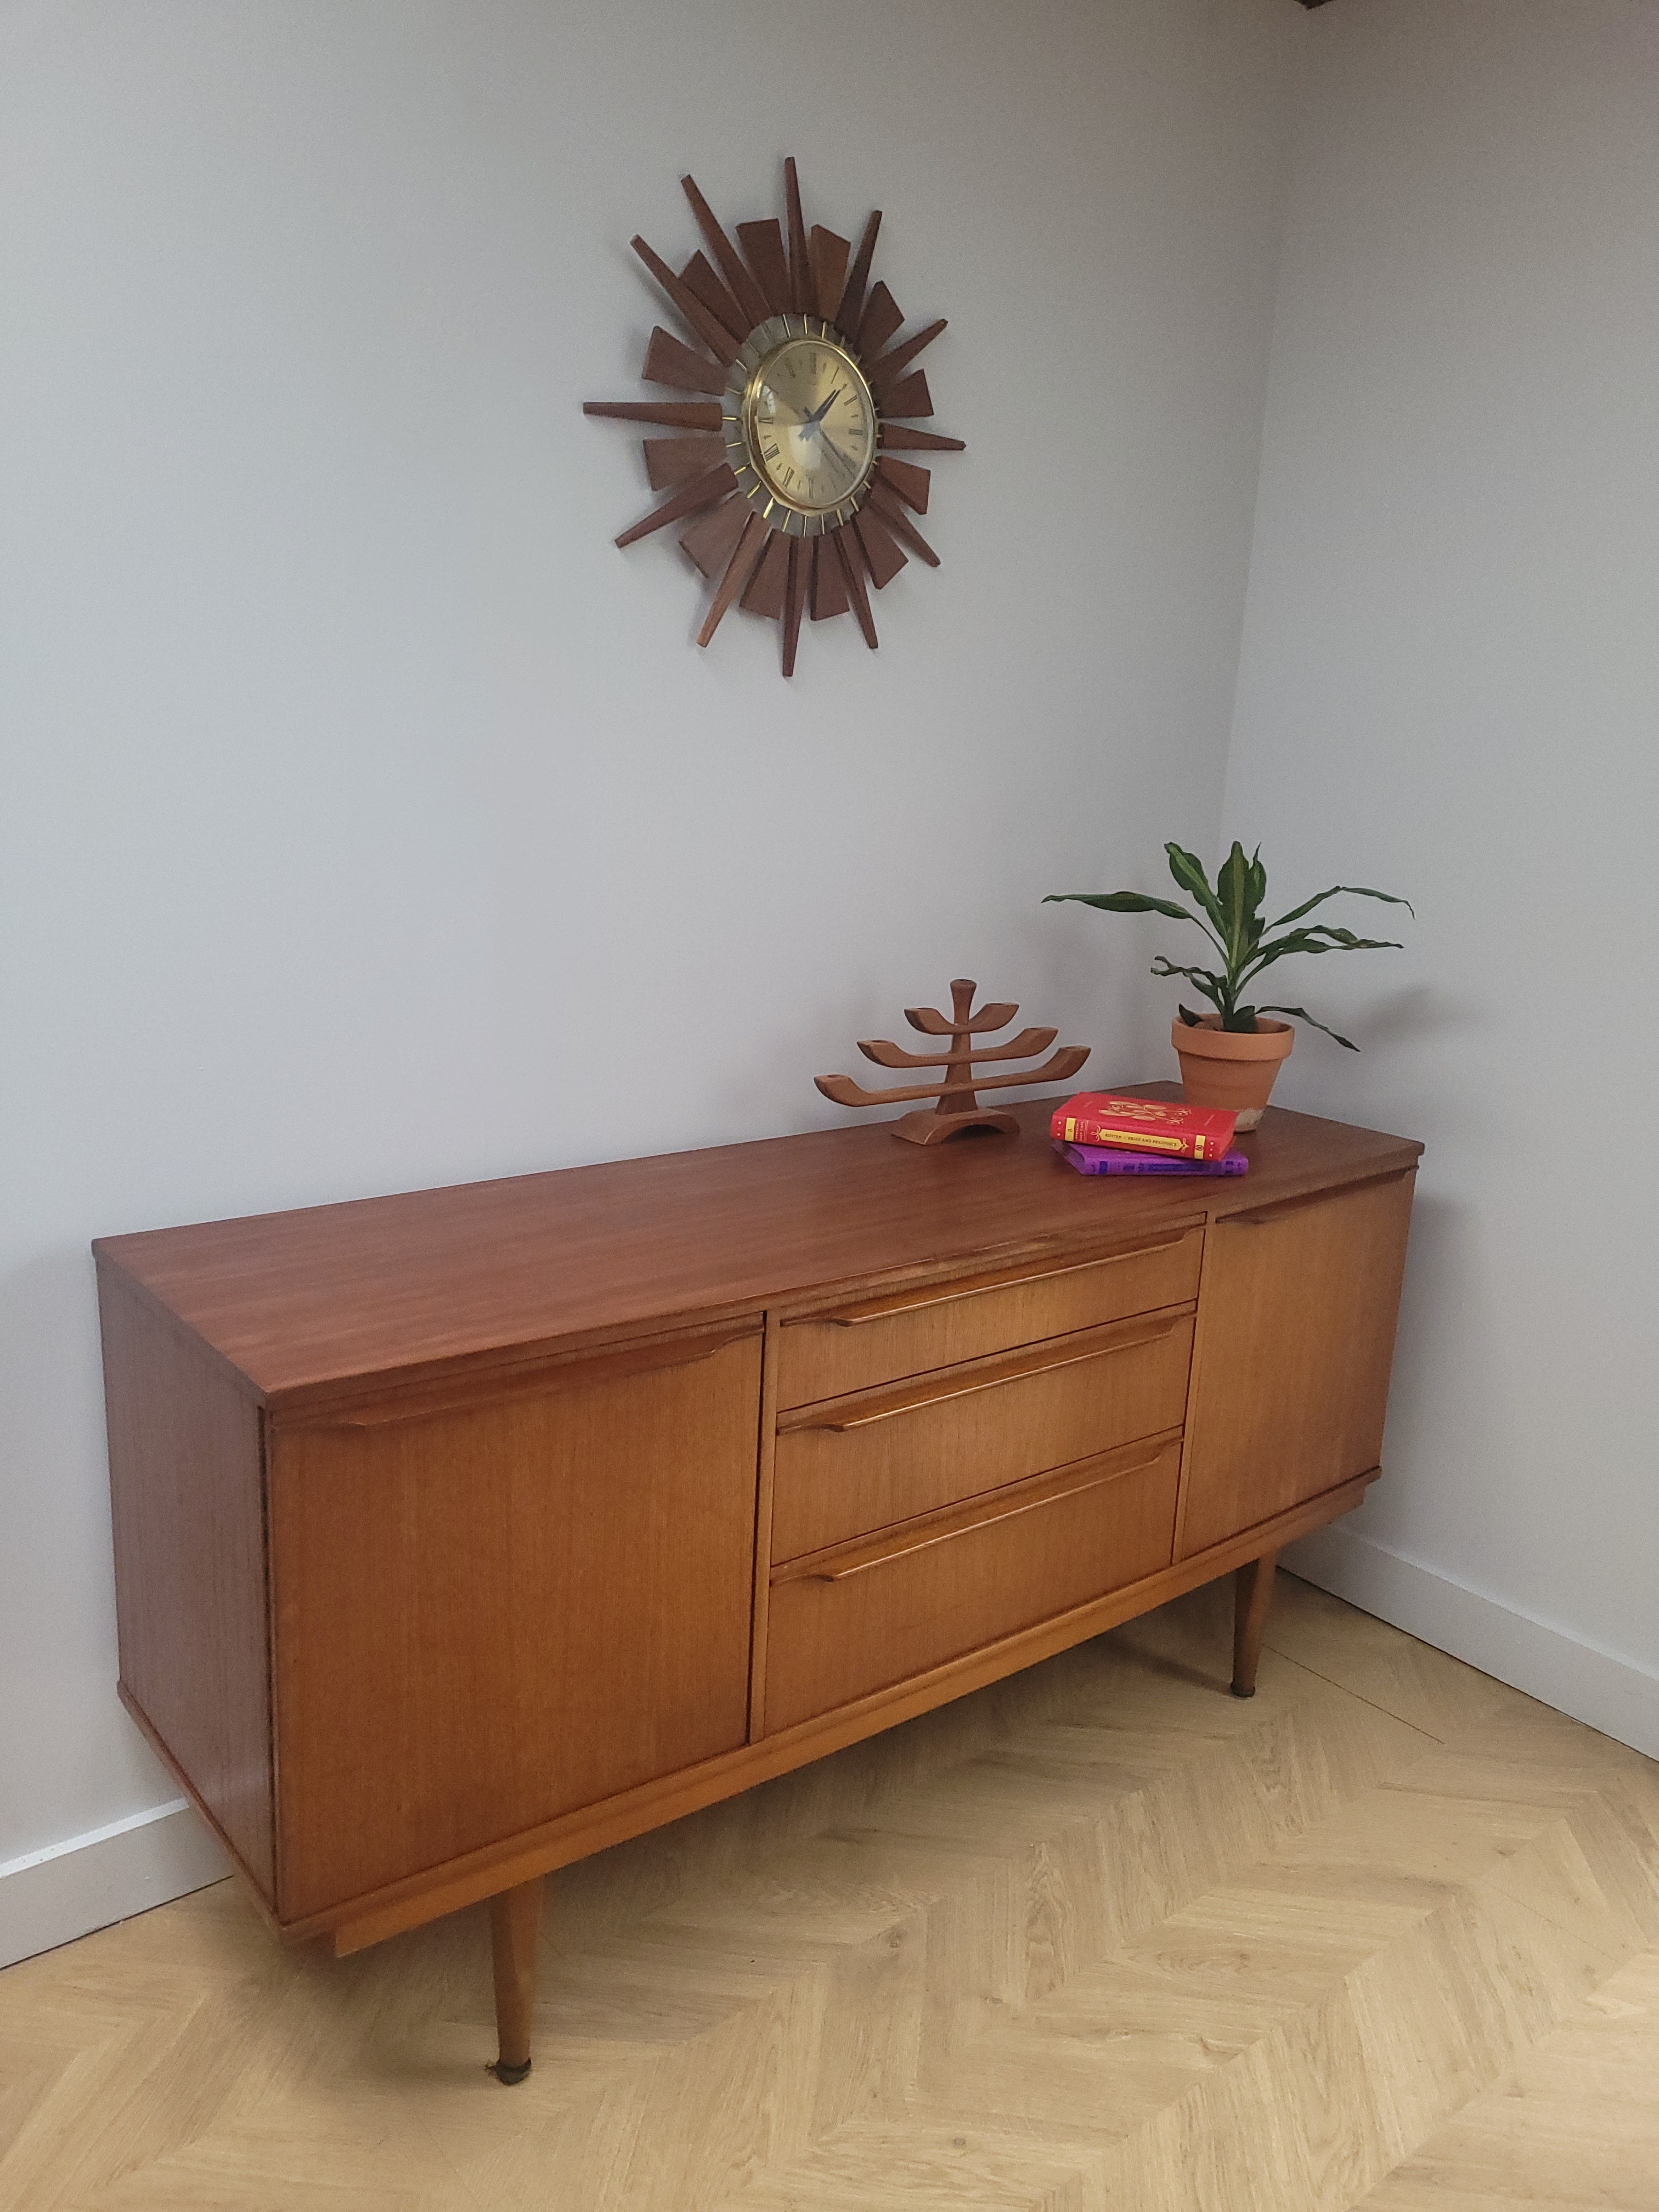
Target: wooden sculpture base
[(932, 1127)]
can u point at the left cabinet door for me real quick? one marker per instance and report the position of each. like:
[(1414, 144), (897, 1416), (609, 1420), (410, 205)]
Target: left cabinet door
[(495, 1608)]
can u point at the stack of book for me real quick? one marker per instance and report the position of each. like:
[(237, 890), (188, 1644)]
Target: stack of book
[(1102, 1133)]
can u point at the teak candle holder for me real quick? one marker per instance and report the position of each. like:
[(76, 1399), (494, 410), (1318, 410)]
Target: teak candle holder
[(958, 1108)]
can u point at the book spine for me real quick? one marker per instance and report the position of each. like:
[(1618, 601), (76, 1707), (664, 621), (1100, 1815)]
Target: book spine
[(1175, 1145), (1101, 1160)]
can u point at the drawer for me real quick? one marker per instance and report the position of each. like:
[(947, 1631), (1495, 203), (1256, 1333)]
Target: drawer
[(853, 1465), (853, 1347), (856, 1620)]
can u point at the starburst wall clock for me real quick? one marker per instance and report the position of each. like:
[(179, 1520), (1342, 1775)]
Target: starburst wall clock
[(784, 468)]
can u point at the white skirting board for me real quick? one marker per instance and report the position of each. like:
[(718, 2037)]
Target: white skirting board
[(1609, 1694), (51, 1897)]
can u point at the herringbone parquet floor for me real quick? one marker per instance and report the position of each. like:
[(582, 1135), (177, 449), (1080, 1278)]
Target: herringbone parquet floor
[(1101, 1937)]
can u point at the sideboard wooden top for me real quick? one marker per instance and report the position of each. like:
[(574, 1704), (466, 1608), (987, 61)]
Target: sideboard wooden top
[(303, 1303)]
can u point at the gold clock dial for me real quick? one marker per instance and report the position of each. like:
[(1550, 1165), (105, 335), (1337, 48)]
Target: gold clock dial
[(802, 428), (811, 425)]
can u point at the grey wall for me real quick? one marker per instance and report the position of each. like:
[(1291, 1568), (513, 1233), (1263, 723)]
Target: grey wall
[(369, 821), (1450, 686)]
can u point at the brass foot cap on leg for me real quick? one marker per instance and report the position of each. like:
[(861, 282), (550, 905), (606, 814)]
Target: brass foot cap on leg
[(1237, 1693), (508, 2076)]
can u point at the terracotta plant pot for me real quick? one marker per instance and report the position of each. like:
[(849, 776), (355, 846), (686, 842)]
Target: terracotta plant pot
[(1233, 1068)]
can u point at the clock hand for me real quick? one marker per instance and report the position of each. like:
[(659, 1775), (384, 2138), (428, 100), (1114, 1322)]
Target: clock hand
[(836, 451), (818, 413)]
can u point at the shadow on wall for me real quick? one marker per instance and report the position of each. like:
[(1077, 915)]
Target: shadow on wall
[(1417, 1011), (1433, 1424), (54, 1492)]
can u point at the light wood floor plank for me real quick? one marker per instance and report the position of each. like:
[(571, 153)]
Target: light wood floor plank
[(1575, 2126), (1386, 1935)]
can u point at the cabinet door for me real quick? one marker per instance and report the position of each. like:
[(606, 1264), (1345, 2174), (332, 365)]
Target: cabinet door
[(488, 1613), (1295, 1335)]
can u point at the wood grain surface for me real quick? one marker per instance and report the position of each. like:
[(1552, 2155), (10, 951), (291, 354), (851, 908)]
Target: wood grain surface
[(826, 255), (855, 1344), (856, 1464), (698, 276), (844, 545), (187, 1501), (488, 1615), (1291, 1370), (882, 316), (670, 461), (829, 595), (751, 299), (515, 1927), (670, 360), (887, 504), (851, 307), (762, 243), (851, 1621), (883, 557), (712, 539), (1253, 1597), (306, 1304)]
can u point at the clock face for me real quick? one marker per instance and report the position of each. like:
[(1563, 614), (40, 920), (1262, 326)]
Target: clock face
[(810, 426)]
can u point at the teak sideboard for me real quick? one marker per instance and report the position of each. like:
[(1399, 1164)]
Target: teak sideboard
[(461, 1534)]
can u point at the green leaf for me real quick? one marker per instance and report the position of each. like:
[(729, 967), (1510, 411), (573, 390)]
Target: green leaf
[(1298, 941), (1344, 891), (1122, 902), (1236, 884), (1213, 987), (1188, 872), (1343, 940), (1318, 938), (1189, 1019), (1303, 1015)]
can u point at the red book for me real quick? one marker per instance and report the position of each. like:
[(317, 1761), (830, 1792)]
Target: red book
[(1144, 1125)]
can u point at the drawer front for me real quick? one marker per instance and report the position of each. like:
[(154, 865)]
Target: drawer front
[(874, 1615), (856, 1346), (858, 1464)]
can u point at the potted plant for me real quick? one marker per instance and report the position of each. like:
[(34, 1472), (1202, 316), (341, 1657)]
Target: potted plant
[(1231, 1057)]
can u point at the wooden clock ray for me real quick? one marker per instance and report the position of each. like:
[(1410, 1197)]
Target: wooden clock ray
[(783, 467)]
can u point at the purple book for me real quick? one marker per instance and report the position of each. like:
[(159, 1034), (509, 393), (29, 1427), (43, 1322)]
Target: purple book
[(1105, 1159)]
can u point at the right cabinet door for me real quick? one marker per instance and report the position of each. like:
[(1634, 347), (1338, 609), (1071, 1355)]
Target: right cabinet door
[(1296, 1336)]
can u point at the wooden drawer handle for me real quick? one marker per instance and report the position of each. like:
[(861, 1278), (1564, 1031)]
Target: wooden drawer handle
[(972, 1286), (990, 1520), (1132, 1338), (537, 1383), (1266, 1215)]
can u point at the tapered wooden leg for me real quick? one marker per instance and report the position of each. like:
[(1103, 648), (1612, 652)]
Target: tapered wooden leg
[(1253, 1592), (515, 1924)]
